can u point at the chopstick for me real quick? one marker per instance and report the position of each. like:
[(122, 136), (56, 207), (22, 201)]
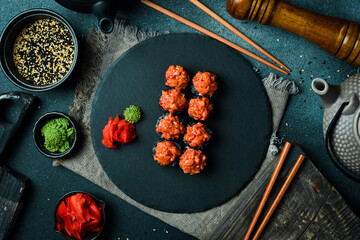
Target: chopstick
[(269, 187), (278, 198), (237, 32), (210, 34)]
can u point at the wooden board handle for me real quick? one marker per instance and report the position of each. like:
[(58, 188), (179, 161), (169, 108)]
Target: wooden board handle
[(339, 37)]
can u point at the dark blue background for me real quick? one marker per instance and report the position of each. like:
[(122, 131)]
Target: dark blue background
[(302, 122)]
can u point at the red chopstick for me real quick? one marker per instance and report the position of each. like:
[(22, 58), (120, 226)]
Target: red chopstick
[(210, 34), (280, 195), (269, 187)]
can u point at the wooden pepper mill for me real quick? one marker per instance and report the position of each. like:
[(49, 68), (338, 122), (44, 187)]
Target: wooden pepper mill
[(337, 36)]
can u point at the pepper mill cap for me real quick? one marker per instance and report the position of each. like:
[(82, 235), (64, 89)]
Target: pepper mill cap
[(239, 9)]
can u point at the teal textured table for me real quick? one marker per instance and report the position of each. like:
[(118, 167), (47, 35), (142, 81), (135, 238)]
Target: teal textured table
[(302, 122)]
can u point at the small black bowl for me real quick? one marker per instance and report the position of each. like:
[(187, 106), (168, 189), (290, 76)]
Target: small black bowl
[(90, 236), (8, 37), (39, 139)]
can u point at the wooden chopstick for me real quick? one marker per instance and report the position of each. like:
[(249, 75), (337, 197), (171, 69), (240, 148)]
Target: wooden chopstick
[(237, 32), (278, 198), (210, 34), (269, 187)]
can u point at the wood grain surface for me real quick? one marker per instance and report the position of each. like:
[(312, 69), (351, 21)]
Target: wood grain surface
[(311, 208), (11, 191)]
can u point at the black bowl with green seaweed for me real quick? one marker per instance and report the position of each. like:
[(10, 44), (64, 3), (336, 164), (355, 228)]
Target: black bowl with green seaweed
[(58, 138), (39, 50)]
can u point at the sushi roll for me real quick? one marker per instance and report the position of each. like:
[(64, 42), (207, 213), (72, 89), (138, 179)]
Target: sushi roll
[(197, 135), (170, 127), (177, 77), (192, 161), (173, 101), (205, 83), (200, 108), (166, 153)]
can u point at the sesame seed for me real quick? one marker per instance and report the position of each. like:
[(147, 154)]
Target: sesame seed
[(43, 51)]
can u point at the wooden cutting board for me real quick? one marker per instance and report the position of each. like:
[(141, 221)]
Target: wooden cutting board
[(12, 187), (13, 108), (310, 209)]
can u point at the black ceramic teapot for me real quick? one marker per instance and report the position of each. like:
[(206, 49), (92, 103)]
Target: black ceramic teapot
[(104, 10)]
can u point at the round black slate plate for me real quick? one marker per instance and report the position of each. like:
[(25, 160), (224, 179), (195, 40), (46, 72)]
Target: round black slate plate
[(241, 123)]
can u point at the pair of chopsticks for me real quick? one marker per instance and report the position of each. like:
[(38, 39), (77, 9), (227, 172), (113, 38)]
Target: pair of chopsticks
[(221, 39), (268, 189)]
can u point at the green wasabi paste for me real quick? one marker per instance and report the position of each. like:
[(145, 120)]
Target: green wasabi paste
[(58, 136), (132, 114)]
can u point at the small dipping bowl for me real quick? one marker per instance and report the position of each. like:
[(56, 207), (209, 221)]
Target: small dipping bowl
[(39, 139), (7, 39), (89, 236)]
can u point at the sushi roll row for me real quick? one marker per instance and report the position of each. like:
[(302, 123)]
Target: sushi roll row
[(171, 127)]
